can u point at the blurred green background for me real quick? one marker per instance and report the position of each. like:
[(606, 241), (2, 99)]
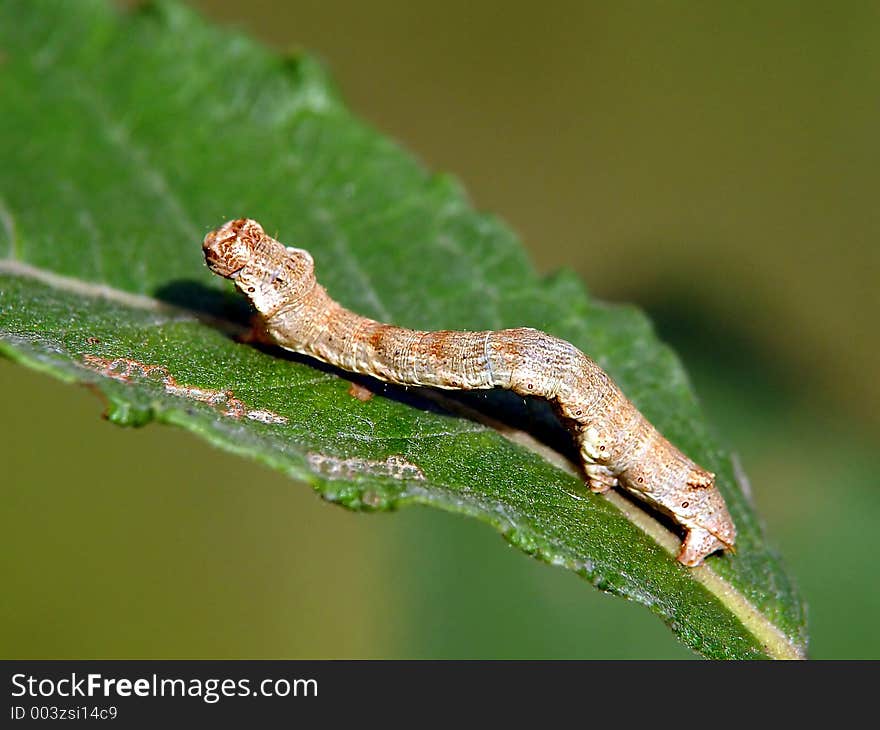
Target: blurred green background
[(716, 163)]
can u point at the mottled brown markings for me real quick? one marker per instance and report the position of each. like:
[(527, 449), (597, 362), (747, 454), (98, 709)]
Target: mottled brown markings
[(125, 369), (618, 446), (376, 338), (699, 481)]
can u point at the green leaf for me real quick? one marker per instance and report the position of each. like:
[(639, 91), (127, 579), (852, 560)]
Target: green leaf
[(127, 137)]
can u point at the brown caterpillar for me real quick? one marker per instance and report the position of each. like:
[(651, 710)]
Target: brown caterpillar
[(617, 443)]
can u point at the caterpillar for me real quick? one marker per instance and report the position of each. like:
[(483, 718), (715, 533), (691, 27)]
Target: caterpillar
[(618, 446)]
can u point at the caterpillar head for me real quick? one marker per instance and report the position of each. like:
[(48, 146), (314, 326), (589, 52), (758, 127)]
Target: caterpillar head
[(271, 275)]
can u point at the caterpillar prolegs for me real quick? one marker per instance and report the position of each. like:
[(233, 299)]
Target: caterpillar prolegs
[(617, 444)]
